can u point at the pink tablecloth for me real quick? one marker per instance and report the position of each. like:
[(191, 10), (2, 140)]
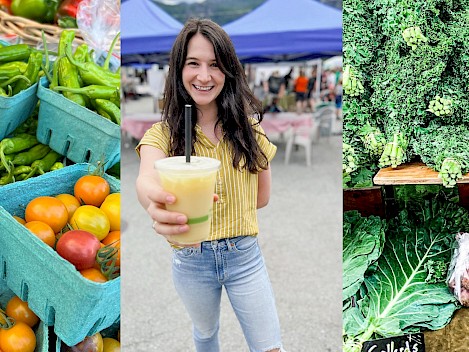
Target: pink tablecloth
[(135, 125), (275, 123)]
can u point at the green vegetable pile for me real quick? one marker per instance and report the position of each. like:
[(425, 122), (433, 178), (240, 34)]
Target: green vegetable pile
[(411, 59), (81, 80), (23, 157), (395, 271), (20, 68)]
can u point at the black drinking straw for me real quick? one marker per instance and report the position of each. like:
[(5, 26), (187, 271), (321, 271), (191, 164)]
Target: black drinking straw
[(188, 132)]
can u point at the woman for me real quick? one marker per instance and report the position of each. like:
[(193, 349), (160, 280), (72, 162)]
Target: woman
[(206, 73)]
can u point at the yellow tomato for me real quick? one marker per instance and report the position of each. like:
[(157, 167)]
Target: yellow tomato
[(112, 208), (111, 345), (70, 202), (92, 219)]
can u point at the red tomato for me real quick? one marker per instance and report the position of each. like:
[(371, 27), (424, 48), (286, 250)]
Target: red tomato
[(91, 190), (89, 344), (79, 248), (19, 338), (19, 310)]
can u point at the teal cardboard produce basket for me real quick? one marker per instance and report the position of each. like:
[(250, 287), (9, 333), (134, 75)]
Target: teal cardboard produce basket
[(75, 131), (53, 288), (41, 331), (16, 109)]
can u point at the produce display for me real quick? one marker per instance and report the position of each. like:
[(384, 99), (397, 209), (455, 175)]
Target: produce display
[(405, 79), (60, 12), (83, 81), (60, 207), (20, 68), (406, 104), (396, 270)]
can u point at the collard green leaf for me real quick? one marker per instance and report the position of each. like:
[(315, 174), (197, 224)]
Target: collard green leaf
[(362, 245), (398, 299)]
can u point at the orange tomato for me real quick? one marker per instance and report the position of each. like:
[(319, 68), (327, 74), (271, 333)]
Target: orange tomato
[(50, 210), (92, 219), (93, 274), (43, 231), (19, 338), (20, 220), (112, 208), (19, 310), (114, 239), (70, 202), (111, 345), (91, 190)]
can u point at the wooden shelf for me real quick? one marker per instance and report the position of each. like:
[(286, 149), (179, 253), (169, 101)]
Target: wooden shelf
[(368, 201), (410, 174)]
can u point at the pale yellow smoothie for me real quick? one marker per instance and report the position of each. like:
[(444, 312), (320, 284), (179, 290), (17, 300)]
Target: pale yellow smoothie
[(193, 185)]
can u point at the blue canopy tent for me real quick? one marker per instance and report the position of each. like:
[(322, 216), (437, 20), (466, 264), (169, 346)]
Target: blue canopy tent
[(147, 32), (280, 30)]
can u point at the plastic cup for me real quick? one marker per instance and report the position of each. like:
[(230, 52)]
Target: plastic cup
[(193, 185)]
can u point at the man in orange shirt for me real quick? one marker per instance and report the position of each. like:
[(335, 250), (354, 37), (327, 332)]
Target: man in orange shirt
[(301, 91)]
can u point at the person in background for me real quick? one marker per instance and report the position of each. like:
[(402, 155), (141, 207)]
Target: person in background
[(287, 79), (301, 88), (338, 91), (274, 86), (206, 73), (273, 107), (312, 90)]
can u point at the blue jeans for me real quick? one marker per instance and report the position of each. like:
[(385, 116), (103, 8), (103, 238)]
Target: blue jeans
[(199, 273)]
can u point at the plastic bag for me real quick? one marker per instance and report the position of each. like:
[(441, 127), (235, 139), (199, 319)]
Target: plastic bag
[(99, 23), (458, 273)]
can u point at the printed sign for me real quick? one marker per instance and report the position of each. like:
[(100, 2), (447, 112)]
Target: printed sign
[(404, 343)]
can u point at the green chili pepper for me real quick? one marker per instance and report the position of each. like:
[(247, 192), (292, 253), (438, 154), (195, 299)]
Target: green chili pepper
[(22, 169), (92, 73), (54, 82), (14, 145), (8, 158), (17, 52), (14, 79), (81, 52), (21, 177), (92, 91), (32, 72), (6, 179), (111, 109), (109, 53), (3, 93), (58, 165), (67, 72), (11, 69), (26, 158), (43, 165)]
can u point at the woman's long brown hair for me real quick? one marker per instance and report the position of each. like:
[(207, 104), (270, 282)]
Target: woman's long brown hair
[(235, 102)]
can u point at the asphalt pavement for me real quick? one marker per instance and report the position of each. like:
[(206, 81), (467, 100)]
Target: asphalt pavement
[(300, 237)]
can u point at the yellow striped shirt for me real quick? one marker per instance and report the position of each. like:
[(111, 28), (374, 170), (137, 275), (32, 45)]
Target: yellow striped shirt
[(235, 213)]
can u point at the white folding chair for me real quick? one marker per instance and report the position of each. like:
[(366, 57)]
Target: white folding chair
[(303, 136)]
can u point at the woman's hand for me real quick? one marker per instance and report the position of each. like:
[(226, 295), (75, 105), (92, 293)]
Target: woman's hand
[(165, 222)]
